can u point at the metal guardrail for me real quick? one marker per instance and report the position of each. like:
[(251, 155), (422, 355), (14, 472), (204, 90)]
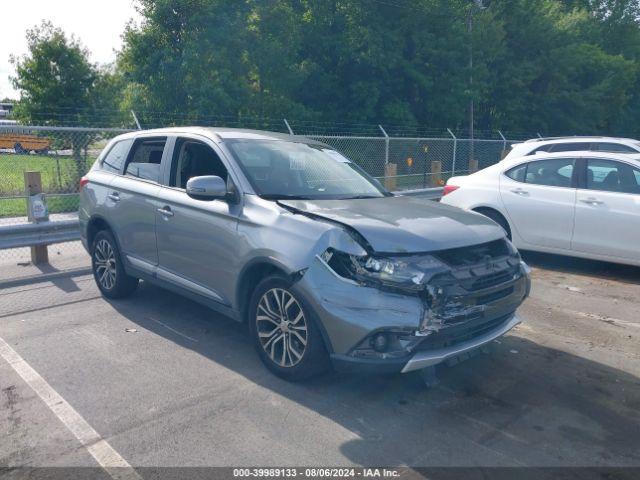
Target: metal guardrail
[(34, 234), (430, 193), (49, 233)]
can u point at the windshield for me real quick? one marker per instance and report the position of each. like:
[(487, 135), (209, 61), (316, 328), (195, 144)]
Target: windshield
[(282, 169)]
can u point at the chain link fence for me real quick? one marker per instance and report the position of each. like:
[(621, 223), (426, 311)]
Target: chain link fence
[(63, 154), (405, 163)]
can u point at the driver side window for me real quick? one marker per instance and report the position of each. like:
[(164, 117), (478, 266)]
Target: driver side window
[(192, 158)]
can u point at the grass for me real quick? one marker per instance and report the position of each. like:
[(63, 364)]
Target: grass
[(17, 207), (59, 175)]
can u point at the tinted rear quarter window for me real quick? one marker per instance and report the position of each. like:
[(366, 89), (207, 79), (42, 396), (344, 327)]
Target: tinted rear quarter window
[(613, 148), (570, 147), (116, 156), (517, 173), (544, 148)]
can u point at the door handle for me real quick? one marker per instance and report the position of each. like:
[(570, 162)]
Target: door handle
[(165, 212), (519, 191), (592, 201), (115, 196)]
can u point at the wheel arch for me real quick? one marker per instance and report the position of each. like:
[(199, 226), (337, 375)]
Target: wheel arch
[(250, 276), (96, 224), (486, 208)]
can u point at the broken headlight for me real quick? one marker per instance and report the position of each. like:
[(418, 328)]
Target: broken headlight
[(404, 272)]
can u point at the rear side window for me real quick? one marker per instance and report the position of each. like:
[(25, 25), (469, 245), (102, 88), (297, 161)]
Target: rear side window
[(144, 159), (613, 148), (611, 176), (115, 158), (553, 173)]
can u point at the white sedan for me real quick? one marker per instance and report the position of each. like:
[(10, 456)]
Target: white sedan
[(585, 204)]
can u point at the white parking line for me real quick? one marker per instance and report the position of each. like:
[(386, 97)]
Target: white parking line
[(116, 466)]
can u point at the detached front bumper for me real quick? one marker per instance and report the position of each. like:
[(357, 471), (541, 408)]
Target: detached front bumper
[(351, 315), (429, 358), (425, 358)]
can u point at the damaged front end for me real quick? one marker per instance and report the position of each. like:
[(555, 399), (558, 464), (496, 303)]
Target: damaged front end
[(463, 293)]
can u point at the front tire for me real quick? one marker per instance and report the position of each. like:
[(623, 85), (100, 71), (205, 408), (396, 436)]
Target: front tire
[(108, 270), (285, 332)]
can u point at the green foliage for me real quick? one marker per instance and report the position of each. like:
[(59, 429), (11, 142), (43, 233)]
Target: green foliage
[(58, 84), (542, 65), (555, 66)]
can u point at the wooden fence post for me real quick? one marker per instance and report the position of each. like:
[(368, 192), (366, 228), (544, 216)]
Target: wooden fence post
[(436, 171), (473, 165), (33, 186), (390, 180)]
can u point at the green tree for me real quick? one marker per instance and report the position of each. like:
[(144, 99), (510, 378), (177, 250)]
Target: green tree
[(59, 85), (54, 79), (558, 66)]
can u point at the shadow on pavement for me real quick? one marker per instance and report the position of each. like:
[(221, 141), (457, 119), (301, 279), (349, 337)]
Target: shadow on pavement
[(523, 404), (581, 266)]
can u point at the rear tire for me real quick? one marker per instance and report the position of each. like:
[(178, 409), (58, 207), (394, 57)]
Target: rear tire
[(108, 269), (285, 332), (498, 218)]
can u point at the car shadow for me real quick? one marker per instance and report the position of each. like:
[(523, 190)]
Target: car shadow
[(582, 266), (521, 404)]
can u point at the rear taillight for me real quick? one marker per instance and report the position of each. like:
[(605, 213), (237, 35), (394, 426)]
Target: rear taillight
[(448, 189), (83, 182)]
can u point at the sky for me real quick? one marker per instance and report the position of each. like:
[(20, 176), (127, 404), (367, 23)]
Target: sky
[(97, 23)]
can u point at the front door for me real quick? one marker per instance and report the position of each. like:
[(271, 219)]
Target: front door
[(608, 210), (197, 239)]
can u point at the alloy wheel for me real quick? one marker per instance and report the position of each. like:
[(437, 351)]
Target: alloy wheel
[(105, 264), (282, 327)]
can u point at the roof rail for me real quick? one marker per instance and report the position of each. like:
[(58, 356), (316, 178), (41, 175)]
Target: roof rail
[(542, 139), (574, 137)]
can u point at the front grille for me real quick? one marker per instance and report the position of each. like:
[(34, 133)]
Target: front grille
[(491, 280), (492, 297), (452, 336), (474, 254)]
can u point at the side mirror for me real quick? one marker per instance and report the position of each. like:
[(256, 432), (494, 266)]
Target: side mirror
[(208, 187)]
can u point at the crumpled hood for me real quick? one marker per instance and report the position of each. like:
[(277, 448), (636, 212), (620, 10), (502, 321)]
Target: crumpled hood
[(404, 224)]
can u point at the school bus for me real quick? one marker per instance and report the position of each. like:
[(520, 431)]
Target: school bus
[(24, 143)]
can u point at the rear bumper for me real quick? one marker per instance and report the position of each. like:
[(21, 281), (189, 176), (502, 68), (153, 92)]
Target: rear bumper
[(422, 359)]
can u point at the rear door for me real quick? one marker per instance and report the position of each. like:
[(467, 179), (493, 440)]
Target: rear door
[(608, 209), (132, 202), (539, 198)]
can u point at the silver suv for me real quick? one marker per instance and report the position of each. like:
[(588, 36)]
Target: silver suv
[(290, 236)]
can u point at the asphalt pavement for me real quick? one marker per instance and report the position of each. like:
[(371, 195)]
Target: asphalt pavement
[(166, 382)]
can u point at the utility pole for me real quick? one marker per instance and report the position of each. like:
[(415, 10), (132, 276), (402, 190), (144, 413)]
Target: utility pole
[(480, 5), (471, 119)]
